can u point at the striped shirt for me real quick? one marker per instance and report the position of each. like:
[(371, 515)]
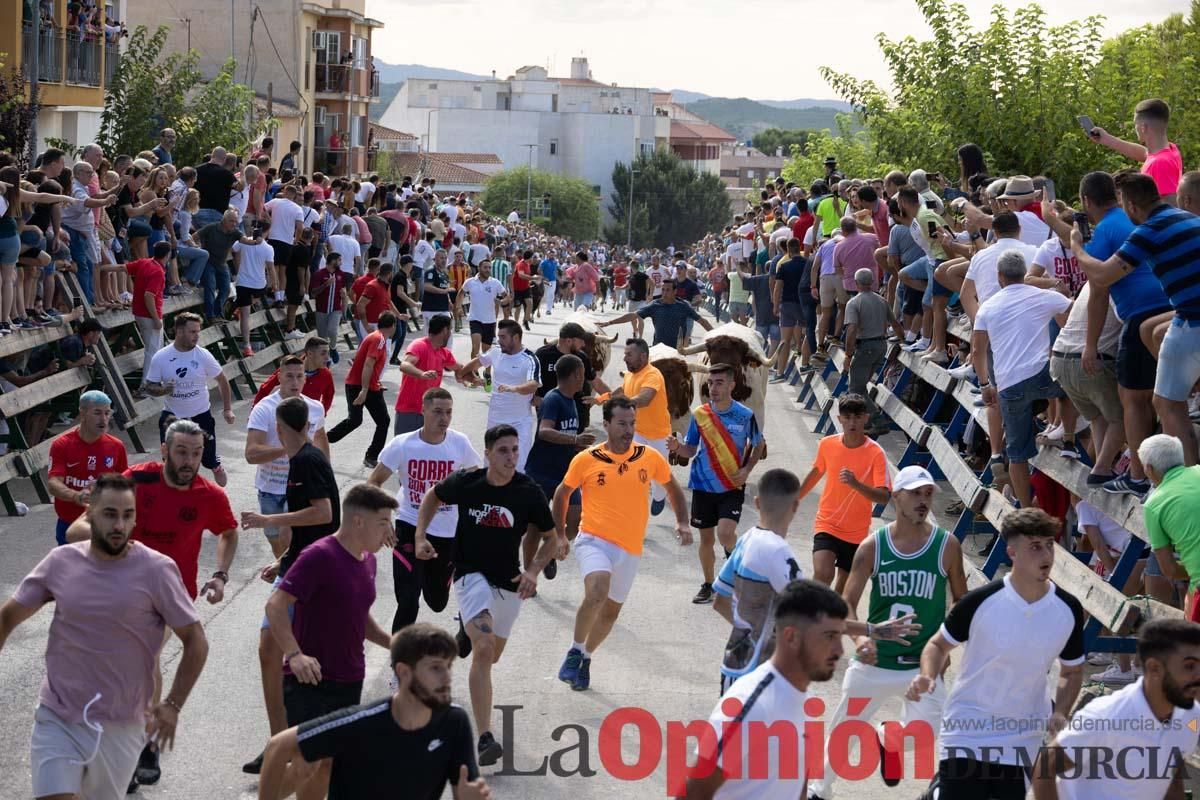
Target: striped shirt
[(1169, 240)]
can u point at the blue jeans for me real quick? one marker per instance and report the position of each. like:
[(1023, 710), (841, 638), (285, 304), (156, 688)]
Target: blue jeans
[(81, 254), (206, 216), (269, 503), (1016, 408), (216, 289), (808, 307), (195, 259)]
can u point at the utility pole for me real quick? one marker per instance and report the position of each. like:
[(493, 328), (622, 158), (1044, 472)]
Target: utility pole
[(529, 184), (632, 172), (187, 22)]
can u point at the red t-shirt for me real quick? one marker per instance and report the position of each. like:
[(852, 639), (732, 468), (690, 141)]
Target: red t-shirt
[(358, 287), (172, 521), (374, 346), (520, 276), (77, 463), (1166, 167), (620, 276), (318, 191), (318, 385), (408, 401), (148, 276), (802, 224), (376, 293)]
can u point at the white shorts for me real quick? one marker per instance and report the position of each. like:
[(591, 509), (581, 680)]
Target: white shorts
[(58, 748), (600, 555), (475, 596)]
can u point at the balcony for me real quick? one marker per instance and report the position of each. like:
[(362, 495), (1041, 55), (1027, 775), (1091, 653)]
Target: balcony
[(83, 59), (374, 83), (346, 79), (67, 57), (50, 65)]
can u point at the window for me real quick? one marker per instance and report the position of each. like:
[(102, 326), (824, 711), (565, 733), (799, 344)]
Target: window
[(359, 49), (647, 149), (554, 147), (333, 48), (750, 174), (554, 103), (432, 87)]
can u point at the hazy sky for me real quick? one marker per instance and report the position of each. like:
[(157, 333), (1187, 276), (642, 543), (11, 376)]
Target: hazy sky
[(699, 45)]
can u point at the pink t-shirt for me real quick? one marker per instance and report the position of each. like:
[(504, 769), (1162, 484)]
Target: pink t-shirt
[(408, 399), (586, 276), (854, 253), (107, 629), (1166, 167)]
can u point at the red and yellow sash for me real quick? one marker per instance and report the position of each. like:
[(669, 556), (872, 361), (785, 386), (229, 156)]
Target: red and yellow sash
[(723, 456)]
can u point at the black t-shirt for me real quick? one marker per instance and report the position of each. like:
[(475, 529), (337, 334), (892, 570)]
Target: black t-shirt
[(491, 522), (373, 757), (432, 301), (547, 356), (310, 477), (686, 289), (214, 183), (301, 258), (639, 285), (794, 273)]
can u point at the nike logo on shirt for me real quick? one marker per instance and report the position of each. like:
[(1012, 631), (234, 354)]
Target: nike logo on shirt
[(435, 744)]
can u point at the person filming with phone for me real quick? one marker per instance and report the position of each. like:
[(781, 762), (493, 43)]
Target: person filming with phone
[(1159, 157)]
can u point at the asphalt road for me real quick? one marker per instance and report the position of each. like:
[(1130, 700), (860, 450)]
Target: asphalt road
[(662, 656)]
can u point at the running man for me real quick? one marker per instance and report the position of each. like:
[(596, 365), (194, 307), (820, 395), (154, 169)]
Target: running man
[(496, 506), (909, 564), (725, 443), (422, 369), (1013, 628), (81, 455), (614, 479), (318, 380), (411, 744), (420, 460), (180, 373), (113, 596), (485, 294), (320, 616), (363, 388), (844, 512), (516, 375)]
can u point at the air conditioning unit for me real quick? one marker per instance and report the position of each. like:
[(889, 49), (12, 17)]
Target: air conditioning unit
[(320, 115), (319, 40)]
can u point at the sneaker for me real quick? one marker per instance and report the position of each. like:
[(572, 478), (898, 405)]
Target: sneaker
[(253, 767), (986, 550), (918, 345), (583, 678), (22, 509), (1070, 450), (1100, 659), (569, 670), (657, 506), (370, 463), (293, 335), (528, 327), (489, 750), (1114, 674), (148, 771), (805, 369), (133, 786), (179, 289), (777, 379), (24, 324), (965, 372), (551, 569), (1054, 433), (462, 640), (999, 471), (1124, 484), (247, 351), (936, 357), (1098, 480), (221, 478), (334, 357), (704, 596)]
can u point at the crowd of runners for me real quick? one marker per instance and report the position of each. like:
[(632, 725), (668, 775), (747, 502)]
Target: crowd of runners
[(1083, 339)]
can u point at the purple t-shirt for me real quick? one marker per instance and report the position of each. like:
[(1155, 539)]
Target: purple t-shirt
[(109, 618), (334, 592), (854, 253)]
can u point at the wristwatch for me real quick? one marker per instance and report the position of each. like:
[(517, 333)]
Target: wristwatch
[(222, 574)]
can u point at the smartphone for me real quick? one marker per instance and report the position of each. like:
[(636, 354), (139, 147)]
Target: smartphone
[(1048, 191), (1085, 227), (933, 226), (1085, 122), (931, 205)]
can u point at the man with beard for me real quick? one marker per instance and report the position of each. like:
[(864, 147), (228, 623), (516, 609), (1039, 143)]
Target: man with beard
[(572, 340), (909, 564), (79, 456), (1013, 628), (332, 587), (176, 505), (496, 507), (115, 597), (809, 622), (1150, 723), (411, 744)]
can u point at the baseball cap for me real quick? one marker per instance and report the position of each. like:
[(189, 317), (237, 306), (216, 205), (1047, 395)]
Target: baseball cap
[(913, 477)]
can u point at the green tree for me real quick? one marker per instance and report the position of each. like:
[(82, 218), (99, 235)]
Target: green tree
[(680, 204), (855, 152), (772, 139), (17, 114), (217, 115), (574, 207)]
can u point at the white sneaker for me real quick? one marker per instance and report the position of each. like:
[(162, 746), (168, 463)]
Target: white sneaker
[(22, 509), (1100, 659), (966, 371), (910, 337), (918, 345), (294, 334), (936, 357), (1114, 674), (1054, 433)]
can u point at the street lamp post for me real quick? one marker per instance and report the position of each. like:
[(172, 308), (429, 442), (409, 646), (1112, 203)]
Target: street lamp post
[(632, 172), (529, 184)]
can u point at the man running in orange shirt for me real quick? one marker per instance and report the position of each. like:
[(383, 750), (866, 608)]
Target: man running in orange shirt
[(644, 385), (844, 512), (614, 479)]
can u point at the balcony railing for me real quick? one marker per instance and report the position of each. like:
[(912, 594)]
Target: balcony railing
[(49, 46), (112, 55), (374, 83), (334, 78), (334, 162), (83, 59)]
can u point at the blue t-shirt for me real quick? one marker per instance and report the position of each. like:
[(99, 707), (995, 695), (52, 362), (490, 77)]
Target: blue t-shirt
[(669, 319), (1169, 240), (548, 462), (743, 430), (549, 269), (1137, 293)]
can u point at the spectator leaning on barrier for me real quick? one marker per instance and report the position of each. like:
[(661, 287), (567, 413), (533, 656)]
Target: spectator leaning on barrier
[(868, 316), (1172, 513), (1015, 324)]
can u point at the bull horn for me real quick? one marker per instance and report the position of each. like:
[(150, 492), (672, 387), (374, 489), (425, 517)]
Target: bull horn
[(694, 367), (692, 349), (614, 338)]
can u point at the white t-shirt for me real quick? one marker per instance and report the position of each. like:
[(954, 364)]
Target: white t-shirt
[(419, 466), (423, 253), (191, 371), (365, 190), (239, 200), (1073, 336), (1123, 723), (479, 252), (983, 265), (1017, 322), (347, 247), (483, 296), (1059, 262), (514, 217), (460, 231), (1033, 230), (746, 236), (657, 276), (284, 216), (272, 476), (510, 370), (1111, 532), (766, 697), (782, 233), (451, 212), (252, 264)]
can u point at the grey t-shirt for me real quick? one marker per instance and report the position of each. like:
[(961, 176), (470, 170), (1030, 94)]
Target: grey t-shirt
[(900, 243), (870, 313)]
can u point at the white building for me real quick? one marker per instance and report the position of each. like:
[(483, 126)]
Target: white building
[(581, 127)]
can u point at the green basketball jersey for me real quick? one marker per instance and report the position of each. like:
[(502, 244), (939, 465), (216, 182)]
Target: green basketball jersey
[(903, 585)]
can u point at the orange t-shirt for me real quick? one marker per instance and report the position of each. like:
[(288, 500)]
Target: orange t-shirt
[(653, 421), (616, 492), (843, 512)]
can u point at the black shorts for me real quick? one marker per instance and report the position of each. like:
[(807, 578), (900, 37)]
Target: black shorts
[(912, 301), (485, 330), (1136, 368), (968, 779), (304, 701), (283, 252), (453, 298), (246, 296), (292, 289), (522, 295), (843, 551), (708, 508)]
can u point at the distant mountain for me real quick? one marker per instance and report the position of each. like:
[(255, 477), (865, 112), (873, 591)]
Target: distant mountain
[(399, 73), (807, 102), (744, 118)]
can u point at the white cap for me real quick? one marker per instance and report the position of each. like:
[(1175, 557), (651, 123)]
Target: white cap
[(913, 477)]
